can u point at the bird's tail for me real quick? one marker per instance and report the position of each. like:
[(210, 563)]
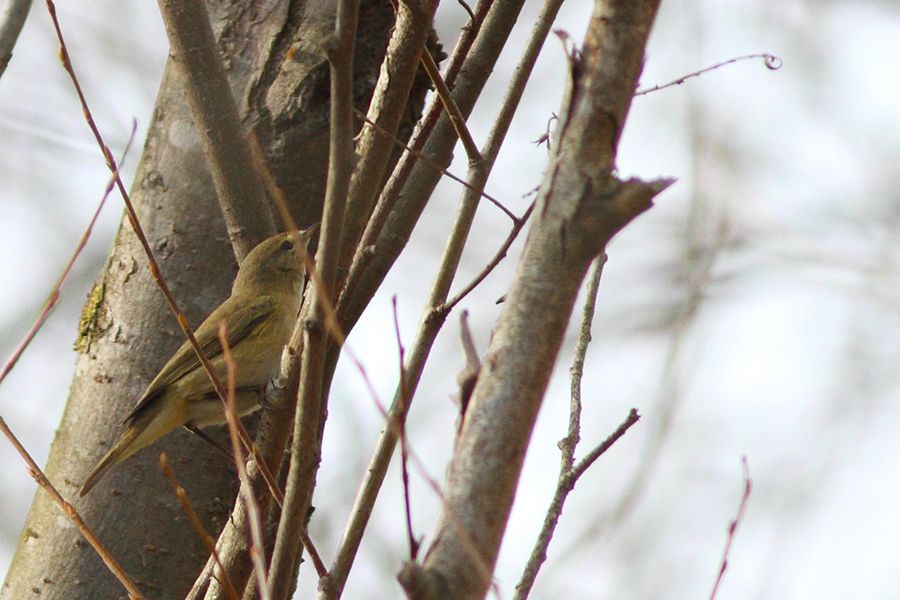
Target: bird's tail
[(124, 448), (142, 431)]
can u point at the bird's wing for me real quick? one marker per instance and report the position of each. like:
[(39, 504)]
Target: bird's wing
[(240, 323)]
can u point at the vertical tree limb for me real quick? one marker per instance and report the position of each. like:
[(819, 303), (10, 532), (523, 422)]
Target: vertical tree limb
[(306, 444), (414, 20)]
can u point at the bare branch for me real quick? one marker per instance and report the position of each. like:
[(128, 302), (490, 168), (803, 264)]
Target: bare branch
[(732, 527), (35, 471), (492, 264), (585, 463), (241, 193), (569, 444), (453, 112)]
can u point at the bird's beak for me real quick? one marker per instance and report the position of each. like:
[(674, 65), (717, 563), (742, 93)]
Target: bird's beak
[(311, 230)]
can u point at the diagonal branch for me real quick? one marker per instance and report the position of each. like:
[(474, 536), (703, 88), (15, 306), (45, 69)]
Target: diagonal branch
[(114, 567)]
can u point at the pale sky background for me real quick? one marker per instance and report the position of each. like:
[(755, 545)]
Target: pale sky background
[(754, 311)]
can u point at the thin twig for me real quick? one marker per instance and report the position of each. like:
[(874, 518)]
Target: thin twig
[(468, 11), (208, 541), (565, 485), (257, 552), (445, 172), (492, 264), (589, 458), (569, 444), (732, 527), (772, 62), (404, 450), (453, 113), (314, 556)]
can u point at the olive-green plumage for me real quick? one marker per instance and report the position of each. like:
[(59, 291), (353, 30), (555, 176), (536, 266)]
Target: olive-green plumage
[(259, 317)]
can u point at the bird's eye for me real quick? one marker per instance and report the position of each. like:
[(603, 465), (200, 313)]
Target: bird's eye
[(287, 245)]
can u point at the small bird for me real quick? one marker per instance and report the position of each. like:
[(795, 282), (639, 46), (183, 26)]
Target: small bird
[(259, 317)]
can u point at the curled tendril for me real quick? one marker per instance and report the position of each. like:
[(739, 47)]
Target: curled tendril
[(773, 63)]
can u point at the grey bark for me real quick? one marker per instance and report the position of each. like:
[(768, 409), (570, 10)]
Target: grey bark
[(279, 78)]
